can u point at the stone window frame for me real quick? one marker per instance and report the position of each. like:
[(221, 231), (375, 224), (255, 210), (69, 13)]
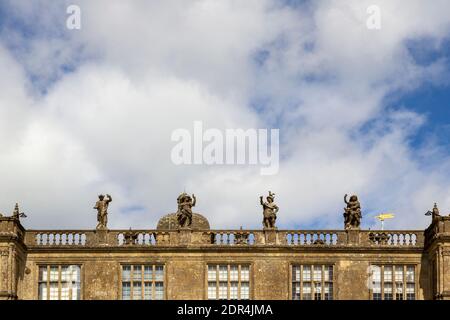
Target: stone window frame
[(312, 264), (228, 264), (59, 265), (143, 265), (404, 288)]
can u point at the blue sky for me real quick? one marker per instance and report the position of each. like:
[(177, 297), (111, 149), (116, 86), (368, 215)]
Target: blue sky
[(91, 111)]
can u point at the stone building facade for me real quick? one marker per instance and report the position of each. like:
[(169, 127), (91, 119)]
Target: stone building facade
[(197, 262)]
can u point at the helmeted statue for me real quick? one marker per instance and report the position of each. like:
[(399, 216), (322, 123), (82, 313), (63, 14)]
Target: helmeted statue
[(184, 213), (270, 210), (102, 210), (352, 214)]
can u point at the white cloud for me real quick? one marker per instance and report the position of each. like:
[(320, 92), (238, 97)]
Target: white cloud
[(147, 68)]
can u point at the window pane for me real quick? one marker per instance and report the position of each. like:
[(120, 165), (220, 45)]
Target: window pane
[(223, 290), (126, 290), (296, 291), (318, 291), (126, 273), (137, 291), (148, 273), (159, 273), (307, 291), (65, 289), (245, 290), (388, 273), (43, 291), (399, 273), (245, 273), (328, 273), (296, 273), (159, 290), (76, 291), (54, 273), (223, 273), (234, 273), (137, 273), (54, 291), (212, 273), (233, 290), (306, 273), (43, 273), (410, 273), (328, 291), (148, 291), (317, 273), (212, 294)]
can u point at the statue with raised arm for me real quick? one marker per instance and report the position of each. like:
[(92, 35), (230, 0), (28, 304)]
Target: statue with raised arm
[(102, 210), (270, 210), (352, 214), (184, 213)]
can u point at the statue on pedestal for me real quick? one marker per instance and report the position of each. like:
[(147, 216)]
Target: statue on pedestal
[(184, 213), (102, 211), (270, 210), (352, 214)]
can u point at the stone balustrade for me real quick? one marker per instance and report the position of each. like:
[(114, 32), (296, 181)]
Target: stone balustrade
[(287, 238)]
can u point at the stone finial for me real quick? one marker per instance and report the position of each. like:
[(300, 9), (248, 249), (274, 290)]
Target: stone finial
[(17, 214), (434, 213), (352, 213)]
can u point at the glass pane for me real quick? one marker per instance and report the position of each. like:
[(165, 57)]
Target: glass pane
[(318, 291), (126, 290), (234, 271), (54, 273), (76, 291), (148, 273), (159, 273), (223, 290), (307, 290), (328, 273), (328, 291), (126, 273), (317, 273), (159, 290), (306, 273), (245, 290), (296, 291), (388, 274), (212, 273), (137, 273), (43, 291), (43, 273), (223, 273), (212, 294), (137, 291), (54, 291), (399, 273), (233, 290), (410, 273), (148, 291), (245, 273), (65, 290), (295, 273)]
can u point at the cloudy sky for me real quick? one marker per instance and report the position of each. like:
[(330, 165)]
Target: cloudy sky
[(91, 111)]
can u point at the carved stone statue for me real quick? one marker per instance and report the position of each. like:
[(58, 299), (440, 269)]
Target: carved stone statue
[(102, 210), (352, 214), (434, 213), (270, 210), (184, 213)]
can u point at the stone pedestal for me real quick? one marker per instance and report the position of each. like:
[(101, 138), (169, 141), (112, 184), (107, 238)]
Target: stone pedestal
[(271, 236), (352, 236)]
